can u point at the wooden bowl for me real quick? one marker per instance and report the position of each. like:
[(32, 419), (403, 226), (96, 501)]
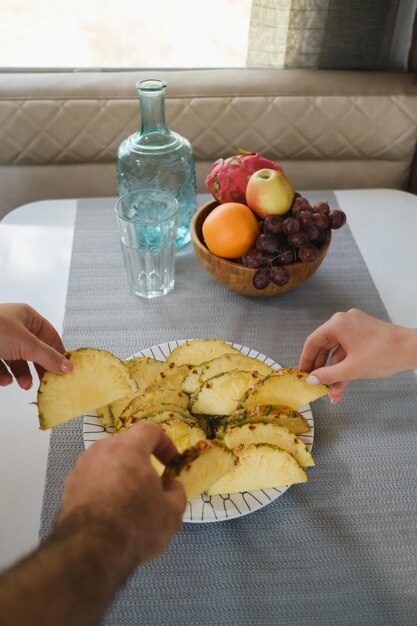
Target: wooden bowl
[(235, 276)]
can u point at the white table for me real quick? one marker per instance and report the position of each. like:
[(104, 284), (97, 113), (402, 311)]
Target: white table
[(35, 252)]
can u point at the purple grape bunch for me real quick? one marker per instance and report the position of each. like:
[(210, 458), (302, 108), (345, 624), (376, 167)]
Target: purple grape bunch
[(294, 237)]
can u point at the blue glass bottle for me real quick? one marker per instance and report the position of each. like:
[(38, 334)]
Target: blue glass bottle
[(158, 157)]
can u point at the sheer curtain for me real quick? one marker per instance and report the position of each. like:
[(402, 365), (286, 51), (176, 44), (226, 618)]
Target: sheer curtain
[(331, 34)]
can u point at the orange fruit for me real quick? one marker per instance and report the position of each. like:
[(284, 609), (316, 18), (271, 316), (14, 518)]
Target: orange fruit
[(230, 230)]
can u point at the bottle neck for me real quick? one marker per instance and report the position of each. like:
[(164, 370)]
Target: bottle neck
[(152, 109), (154, 135)]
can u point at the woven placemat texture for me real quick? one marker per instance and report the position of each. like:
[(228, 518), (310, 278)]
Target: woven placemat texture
[(339, 550)]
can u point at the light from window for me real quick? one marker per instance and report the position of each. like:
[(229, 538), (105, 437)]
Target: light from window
[(126, 33)]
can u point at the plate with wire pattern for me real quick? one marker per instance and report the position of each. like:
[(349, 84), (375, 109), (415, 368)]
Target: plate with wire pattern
[(204, 508)]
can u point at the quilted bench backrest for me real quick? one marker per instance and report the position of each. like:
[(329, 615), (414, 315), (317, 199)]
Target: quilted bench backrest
[(59, 132)]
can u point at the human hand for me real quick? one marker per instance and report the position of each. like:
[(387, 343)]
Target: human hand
[(357, 346), (27, 336), (115, 487)]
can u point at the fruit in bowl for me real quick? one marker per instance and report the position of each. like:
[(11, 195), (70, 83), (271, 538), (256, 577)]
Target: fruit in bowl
[(239, 275), (269, 192), (228, 178), (274, 253), (230, 229)]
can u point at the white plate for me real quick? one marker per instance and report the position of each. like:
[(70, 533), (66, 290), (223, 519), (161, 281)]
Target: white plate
[(210, 508)]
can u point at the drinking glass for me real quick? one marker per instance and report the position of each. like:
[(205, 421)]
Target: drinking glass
[(147, 222)]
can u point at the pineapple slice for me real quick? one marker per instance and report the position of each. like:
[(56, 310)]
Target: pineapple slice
[(191, 380), (261, 466), (274, 413), (151, 398), (200, 466), (164, 412), (171, 377), (145, 371), (220, 395), (225, 363), (285, 386), (158, 396), (183, 434), (196, 351), (274, 434), (105, 416), (98, 378), (162, 415), (149, 409)]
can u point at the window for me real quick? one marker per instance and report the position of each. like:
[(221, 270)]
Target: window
[(123, 33)]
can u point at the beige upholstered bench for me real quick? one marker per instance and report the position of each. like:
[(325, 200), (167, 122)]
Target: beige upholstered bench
[(59, 132)]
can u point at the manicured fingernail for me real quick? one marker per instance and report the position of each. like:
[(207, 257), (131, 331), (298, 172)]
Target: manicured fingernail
[(312, 380), (66, 366), (26, 383)]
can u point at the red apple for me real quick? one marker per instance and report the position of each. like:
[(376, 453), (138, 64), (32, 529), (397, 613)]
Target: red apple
[(269, 192)]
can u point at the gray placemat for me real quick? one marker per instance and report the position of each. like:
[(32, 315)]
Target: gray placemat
[(341, 549)]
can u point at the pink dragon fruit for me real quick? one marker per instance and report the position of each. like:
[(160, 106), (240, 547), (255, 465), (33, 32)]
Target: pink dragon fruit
[(228, 177)]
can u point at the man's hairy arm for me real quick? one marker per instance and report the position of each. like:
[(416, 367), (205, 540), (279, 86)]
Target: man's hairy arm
[(116, 513), (69, 580)]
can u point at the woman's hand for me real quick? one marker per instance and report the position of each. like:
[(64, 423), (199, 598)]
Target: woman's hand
[(356, 346), (27, 336)]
